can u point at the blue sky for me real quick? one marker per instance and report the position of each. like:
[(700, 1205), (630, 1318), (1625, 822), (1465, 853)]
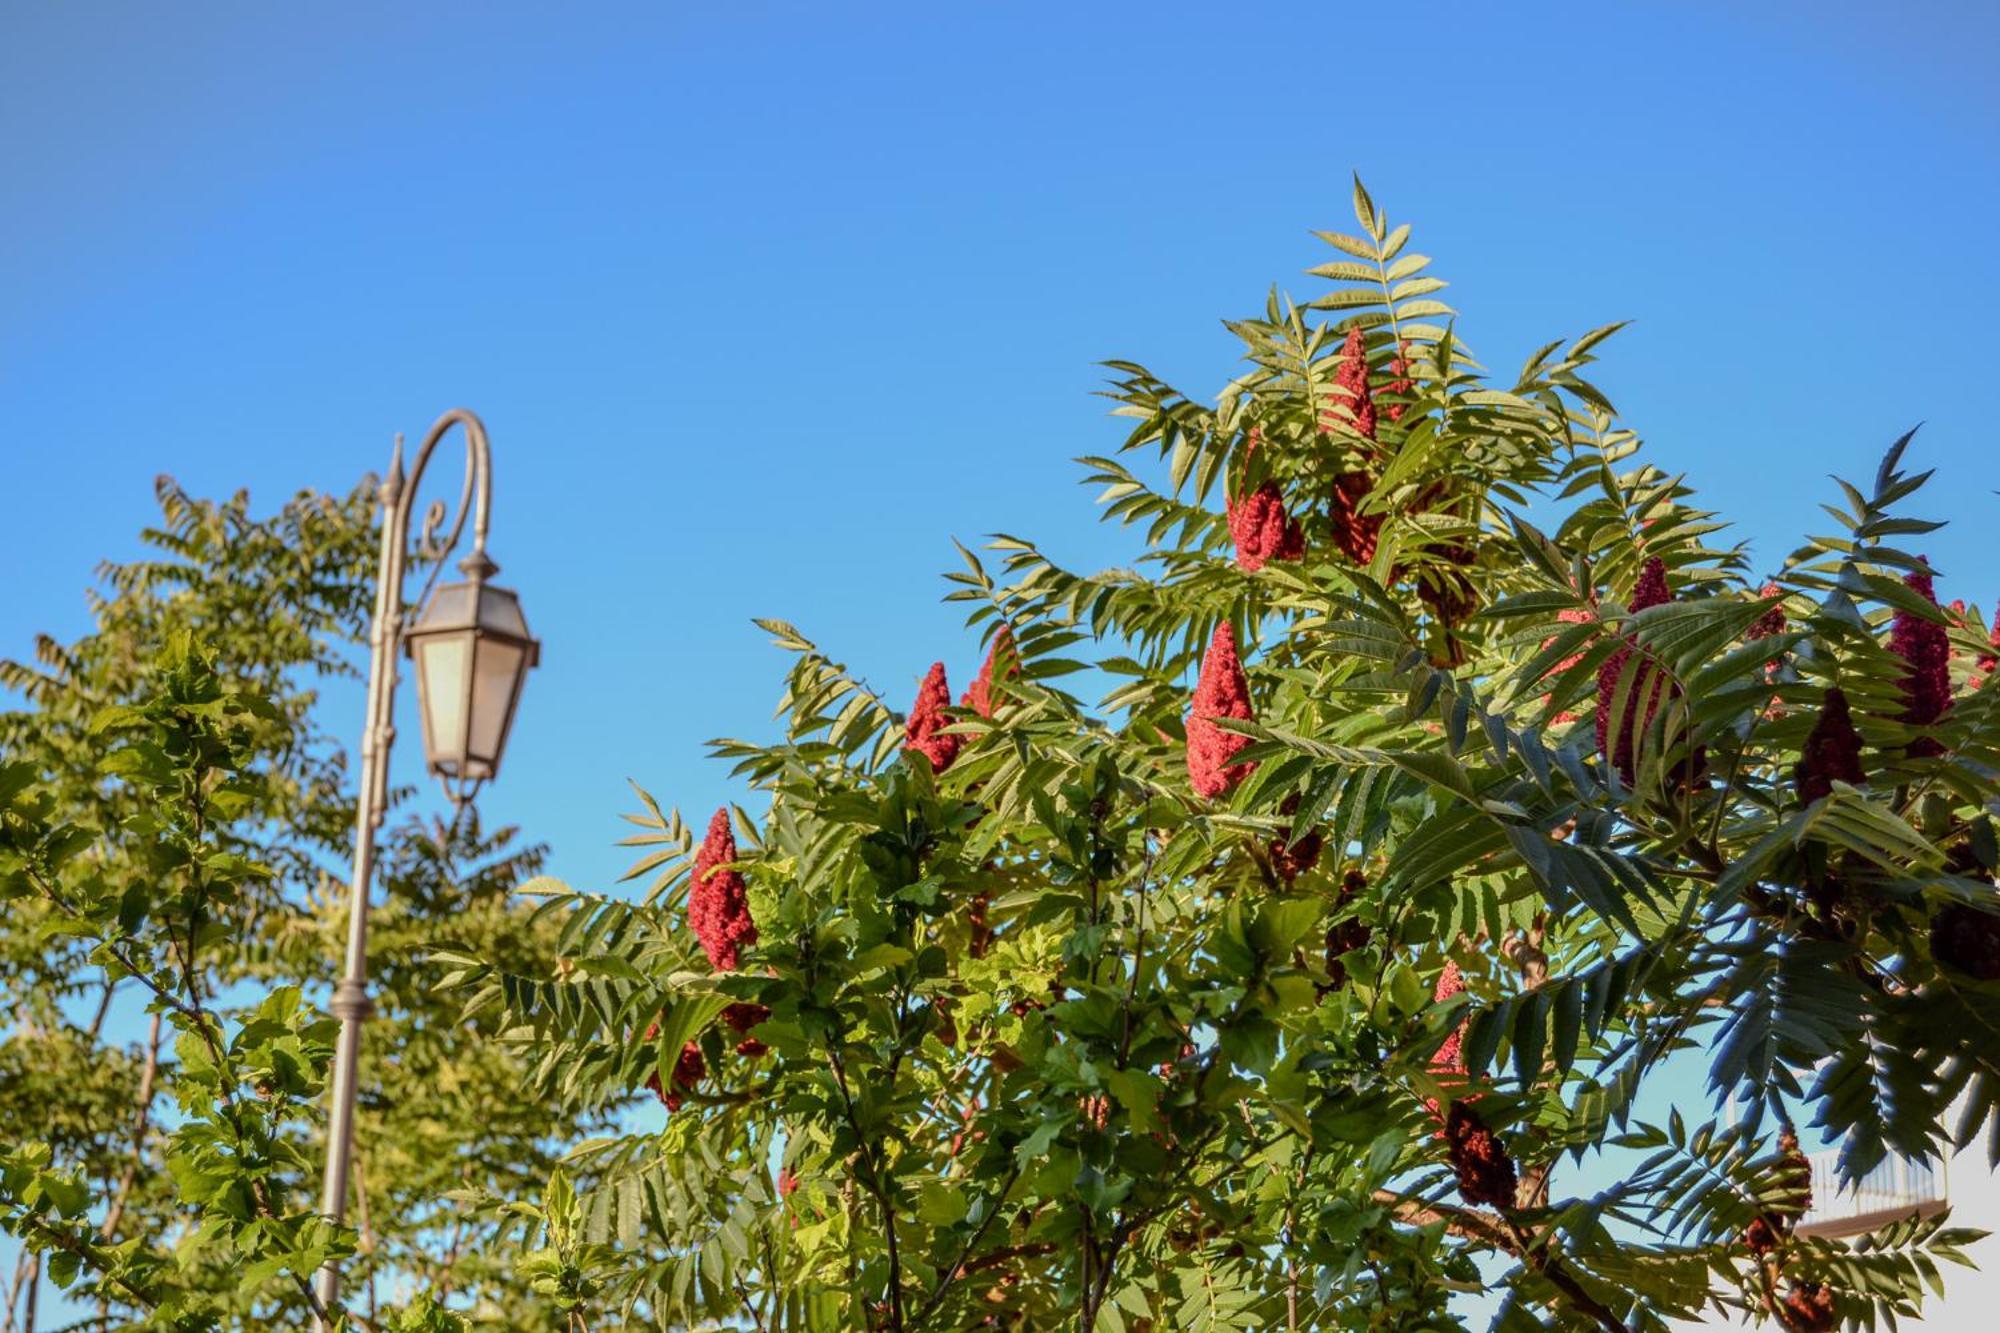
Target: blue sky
[(764, 303)]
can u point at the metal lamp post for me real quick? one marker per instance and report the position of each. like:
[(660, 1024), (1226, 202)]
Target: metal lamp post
[(472, 651)]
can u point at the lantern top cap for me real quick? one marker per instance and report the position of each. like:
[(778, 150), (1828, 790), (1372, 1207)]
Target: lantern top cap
[(490, 611)]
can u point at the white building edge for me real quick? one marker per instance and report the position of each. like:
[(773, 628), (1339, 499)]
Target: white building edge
[(1890, 1193)]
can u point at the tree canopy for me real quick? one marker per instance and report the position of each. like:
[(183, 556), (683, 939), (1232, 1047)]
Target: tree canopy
[(174, 822)]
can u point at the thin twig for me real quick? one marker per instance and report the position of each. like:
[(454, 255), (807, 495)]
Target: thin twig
[(874, 1184), (953, 1273)]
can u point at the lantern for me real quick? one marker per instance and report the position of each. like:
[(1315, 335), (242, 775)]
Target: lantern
[(473, 651)]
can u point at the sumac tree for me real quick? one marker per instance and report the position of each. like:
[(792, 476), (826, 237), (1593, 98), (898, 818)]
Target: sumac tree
[(1282, 984)]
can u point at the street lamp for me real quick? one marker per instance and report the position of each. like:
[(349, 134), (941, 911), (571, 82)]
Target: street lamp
[(473, 651)]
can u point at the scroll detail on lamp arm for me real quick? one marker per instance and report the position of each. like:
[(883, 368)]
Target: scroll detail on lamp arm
[(473, 652)]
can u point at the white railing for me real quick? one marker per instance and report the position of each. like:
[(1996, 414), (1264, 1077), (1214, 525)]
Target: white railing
[(1893, 1190)]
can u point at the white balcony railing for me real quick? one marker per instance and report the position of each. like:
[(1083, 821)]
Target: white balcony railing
[(1889, 1193)]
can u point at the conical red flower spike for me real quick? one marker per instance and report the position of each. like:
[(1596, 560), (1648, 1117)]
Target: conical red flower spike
[(1925, 647), (1991, 658), (1569, 616), (1259, 525), (1485, 1172), (1353, 378), (1651, 590), (1643, 694), (1345, 936), (1770, 1228), (1448, 1061), (1263, 531), (741, 1018), (979, 695), (1772, 622), (1355, 534), (1290, 860), (1222, 691), (689, 1070), (1808, 1308), (1450, 1058), (1832, 751), (1400, 382), (925, 731), (718, 899)]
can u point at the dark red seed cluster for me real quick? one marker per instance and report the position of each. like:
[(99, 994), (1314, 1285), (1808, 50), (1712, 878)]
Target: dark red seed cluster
[(975, 919), (1832, 751), (1965, 938), (1290, 860), (1486, 1173), (1574, 615), (788, 1184), (1260, 526), (1448, 1062), (1450, 1057), (1772, 622), (1263, 531), (1354, 532), (1769, 626), (1345, 936), (1808, 1308), (1645, 691), (741, 1017), (1353, 381), (1762, 1235), (979, 695), (1222, 691), (718, 899), (1983, 664), (924, 732), (689, 1070), (1400, 383), (1771, 1228), (1925, 647), (1990, 659)]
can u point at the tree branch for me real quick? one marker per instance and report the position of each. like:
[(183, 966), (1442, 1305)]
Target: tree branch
[(958, 1268)]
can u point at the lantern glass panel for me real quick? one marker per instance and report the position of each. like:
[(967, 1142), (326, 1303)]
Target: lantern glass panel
[(497, 670), (444, 664)]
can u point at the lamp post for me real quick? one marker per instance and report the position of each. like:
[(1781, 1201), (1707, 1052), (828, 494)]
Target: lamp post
[(472, 651)]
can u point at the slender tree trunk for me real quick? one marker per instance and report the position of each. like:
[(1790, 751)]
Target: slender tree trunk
[(143, 1119), (366, 1228), (14, 1291)]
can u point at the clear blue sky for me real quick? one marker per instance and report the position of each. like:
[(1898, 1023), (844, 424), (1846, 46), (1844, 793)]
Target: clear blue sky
[(763, 303)]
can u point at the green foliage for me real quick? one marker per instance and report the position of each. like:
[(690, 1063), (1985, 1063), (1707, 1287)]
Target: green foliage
[(1054, 1042), (178, 825), (241, 1088)]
